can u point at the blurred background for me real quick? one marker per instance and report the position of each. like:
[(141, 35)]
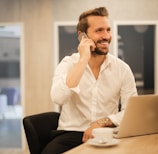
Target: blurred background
[(36, 34)]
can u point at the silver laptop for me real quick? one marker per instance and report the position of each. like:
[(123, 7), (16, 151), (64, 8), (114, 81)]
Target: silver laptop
[(140, 117)]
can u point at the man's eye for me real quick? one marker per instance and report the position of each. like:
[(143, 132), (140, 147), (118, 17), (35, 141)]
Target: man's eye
[(109, 30), (99, 30)]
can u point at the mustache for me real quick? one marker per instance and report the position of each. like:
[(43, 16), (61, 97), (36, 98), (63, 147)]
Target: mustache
[(103, 41)]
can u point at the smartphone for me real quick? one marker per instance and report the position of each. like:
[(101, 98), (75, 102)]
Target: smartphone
[(82, 34), (96, 51)]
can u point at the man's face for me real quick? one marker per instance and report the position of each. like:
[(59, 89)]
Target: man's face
[(100, 32)]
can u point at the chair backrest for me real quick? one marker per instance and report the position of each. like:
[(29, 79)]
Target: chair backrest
[(12, 95), (38, 130)]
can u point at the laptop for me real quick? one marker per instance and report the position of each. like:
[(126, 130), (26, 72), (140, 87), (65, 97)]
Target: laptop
[(140, 117)]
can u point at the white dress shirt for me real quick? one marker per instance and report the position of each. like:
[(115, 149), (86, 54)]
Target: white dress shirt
[(92, 99)]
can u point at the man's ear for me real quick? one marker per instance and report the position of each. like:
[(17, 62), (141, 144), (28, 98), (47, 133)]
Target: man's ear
[(79, 32)]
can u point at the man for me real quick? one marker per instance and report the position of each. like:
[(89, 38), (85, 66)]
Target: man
[(89, 84)]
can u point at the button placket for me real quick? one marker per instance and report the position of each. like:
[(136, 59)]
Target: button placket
[(94, 102)]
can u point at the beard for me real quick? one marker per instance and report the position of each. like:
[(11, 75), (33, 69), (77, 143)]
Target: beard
[(98, 51)]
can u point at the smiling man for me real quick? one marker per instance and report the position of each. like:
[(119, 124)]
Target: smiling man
[(89, 85)]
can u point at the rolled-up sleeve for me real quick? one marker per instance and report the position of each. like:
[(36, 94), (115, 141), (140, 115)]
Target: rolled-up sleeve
[(128, 89), (60, 92)]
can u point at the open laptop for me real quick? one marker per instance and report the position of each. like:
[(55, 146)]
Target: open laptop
[(140, 117)]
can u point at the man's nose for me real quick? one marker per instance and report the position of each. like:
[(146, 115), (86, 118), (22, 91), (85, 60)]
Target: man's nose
[(106, 35)]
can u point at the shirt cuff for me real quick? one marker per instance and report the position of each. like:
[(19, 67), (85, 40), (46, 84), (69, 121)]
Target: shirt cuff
[(114, 120), (75, 89)]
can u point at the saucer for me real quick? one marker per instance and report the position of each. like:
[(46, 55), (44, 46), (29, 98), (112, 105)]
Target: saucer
[(107, 144)]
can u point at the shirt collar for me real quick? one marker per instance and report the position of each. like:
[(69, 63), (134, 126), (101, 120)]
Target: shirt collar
[(106, 62)]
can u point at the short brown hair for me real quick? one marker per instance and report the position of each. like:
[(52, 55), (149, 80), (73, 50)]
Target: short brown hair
[(83, 22)]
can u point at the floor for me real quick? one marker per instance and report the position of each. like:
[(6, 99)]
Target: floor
[(11, 151), (10, 133), (10, 130)]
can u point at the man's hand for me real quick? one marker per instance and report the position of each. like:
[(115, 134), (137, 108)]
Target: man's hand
[(88, 132), (105, 122), (85, 47)]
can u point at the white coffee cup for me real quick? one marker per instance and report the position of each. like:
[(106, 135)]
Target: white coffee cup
[(102, 135)]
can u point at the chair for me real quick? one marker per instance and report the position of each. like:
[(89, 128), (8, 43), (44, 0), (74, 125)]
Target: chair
[(38, 129), (12, 94)]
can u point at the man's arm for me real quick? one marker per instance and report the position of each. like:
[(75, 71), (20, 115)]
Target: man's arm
[(74, 76), (104, 122)]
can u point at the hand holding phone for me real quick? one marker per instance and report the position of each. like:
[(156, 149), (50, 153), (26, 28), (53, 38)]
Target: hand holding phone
[(94, 49), (81, 35)]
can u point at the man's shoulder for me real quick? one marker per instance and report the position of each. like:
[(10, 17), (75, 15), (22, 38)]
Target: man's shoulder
[(116, 60), (73, 57), (112, 58)]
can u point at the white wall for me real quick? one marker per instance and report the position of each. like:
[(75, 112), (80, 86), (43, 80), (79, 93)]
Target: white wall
[(69, 10), (65, 10)]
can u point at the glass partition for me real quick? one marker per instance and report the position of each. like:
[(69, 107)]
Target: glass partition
[(11, 109), (135, 43)]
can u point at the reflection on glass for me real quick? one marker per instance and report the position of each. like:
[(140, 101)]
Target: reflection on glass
[(10, 91), (67, 36), (136, 47)]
